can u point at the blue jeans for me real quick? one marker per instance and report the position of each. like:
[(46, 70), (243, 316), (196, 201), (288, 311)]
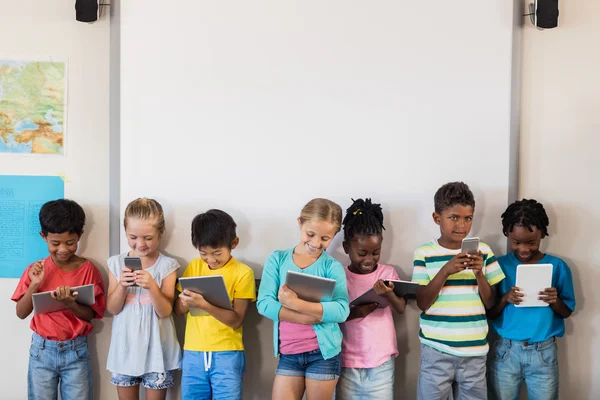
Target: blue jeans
[(208, 375), (367, 383), (514, 361), (311, 365), (52, 363)]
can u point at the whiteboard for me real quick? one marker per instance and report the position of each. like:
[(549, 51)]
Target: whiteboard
[(257, 107)]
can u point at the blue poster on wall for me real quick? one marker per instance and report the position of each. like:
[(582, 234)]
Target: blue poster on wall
[(21, 198)]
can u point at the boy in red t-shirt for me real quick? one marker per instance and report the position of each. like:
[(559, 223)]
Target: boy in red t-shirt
[(59, 347)]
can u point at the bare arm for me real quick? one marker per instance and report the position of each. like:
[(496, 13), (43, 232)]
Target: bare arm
[(36, 276), (287, 315), (180, 308), (85, 313), (162, 297), (398, 304), (25, 303), (550, 296), (232, 318), (64, 295), (426, 295), (117, 291)]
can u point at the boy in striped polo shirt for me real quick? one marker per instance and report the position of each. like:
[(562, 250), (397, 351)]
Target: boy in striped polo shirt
[(455, 291)]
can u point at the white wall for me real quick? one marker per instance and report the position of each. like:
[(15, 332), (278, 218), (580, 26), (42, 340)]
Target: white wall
[(560, 166), (256, 107), (32, 29)]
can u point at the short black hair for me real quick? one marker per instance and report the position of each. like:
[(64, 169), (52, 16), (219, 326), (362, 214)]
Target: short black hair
[(60, 216), (214, 228), (452, 194), (525, 213), (363, 218)]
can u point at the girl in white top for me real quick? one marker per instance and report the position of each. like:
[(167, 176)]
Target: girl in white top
[(143, 347)]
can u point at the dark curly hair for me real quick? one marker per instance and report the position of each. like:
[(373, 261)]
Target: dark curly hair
[(363, 218), (525, 213), (452, 194)]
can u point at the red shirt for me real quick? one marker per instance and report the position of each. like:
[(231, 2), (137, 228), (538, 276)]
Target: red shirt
[(63, 325)]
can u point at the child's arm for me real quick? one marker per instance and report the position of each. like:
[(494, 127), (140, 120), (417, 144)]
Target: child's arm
[(513, 296), (117, 291), (362, 311), (398, 304), (427, 294), (486, 292), (161, 297), (334, 311), (64, 295), (550, 296), (36, 276), (180, 308), (232, 318)]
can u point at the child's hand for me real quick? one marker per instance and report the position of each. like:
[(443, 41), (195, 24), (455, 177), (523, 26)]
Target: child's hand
[(362, 311), (514, 295), (144, 279), (193, 300), (64, 295), (549, 295), (127, 278), (36, 273), (458, 263), (287, 297), (382, 290), (475, 262)]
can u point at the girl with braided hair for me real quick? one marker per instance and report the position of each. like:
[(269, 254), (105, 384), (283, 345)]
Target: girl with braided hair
[(369, 344)]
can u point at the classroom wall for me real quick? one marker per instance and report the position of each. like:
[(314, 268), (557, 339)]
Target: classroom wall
[(257, 107), (559, 167), (32, 29)]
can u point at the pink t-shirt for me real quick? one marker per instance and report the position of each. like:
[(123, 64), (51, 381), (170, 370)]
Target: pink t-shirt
[(370, 341), (296, 338)]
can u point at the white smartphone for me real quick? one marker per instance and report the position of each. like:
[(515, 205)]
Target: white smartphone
[(470, 245)]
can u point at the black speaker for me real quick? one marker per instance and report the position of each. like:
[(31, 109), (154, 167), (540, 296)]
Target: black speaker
[(546, 14), (86, 10)]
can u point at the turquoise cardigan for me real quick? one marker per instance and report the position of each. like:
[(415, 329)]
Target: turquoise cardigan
[(335, 309)]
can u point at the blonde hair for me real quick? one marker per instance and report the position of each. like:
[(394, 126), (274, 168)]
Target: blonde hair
[(322, 210), (145, 209)]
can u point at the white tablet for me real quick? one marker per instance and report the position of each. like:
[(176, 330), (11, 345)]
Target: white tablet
[(309, 287), (532, 279), (44, 303), (213, 289)]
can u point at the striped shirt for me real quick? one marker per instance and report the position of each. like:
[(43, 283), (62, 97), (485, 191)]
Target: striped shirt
[(455, 323)]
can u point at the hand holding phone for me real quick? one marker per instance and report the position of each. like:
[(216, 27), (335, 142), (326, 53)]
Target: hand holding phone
[(134, 264)]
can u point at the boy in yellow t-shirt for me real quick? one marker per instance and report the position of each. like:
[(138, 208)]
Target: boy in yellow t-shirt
[(213, 357)]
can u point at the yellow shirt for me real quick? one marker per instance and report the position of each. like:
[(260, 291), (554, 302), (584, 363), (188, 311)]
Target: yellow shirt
[(206, 333)]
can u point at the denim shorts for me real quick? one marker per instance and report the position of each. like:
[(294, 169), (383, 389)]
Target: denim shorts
[(151, 380), (310, 365)]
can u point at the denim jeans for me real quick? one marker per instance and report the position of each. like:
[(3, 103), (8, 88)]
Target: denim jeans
[(53, 364), (367, 383), (516, 361), (208, 375), (310, 365)]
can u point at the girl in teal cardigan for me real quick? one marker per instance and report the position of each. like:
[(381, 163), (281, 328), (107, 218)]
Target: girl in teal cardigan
[(306, 334)]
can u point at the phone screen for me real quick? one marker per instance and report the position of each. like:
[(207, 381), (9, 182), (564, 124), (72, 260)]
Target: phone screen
[(470, 245), (133, 263)]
